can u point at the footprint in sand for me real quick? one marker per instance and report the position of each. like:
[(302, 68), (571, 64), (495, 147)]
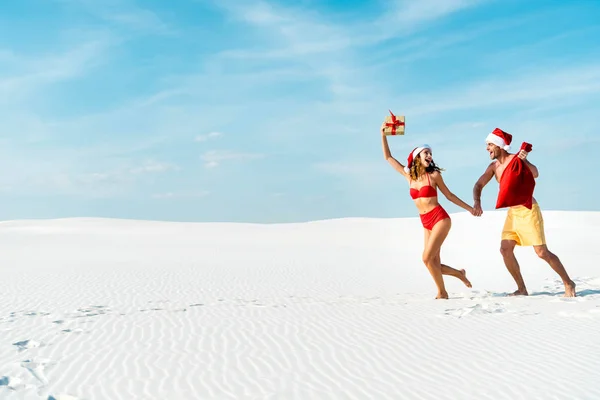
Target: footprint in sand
[(572, 300), (36, 313), (253, 303), (91, 311), (62, 397), (151, 309), (477, 309), (11, 383), (26, 345), (76, 330), (37, 367)]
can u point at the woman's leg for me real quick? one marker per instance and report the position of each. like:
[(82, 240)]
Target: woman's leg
[(434, 241), (446, 269), (457, 273)]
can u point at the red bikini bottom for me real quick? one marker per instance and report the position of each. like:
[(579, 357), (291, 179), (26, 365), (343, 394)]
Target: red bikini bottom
[(429, 219)]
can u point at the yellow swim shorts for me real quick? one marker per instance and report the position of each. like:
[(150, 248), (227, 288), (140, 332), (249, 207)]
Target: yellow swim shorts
[(524, 226)]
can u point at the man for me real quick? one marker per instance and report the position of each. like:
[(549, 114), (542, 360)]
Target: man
[(523, 226)]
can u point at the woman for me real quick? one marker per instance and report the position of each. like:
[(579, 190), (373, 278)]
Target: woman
[(424, 178)]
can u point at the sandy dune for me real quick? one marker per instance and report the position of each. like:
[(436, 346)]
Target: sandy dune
[(339, 309)]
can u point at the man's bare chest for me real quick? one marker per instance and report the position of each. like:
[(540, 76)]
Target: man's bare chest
[(499, 168), (498, 172)]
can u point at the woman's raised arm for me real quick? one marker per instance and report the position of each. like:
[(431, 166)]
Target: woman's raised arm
[(388, 155)]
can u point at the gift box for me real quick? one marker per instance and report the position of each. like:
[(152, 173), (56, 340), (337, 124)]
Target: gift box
[(394, 125)]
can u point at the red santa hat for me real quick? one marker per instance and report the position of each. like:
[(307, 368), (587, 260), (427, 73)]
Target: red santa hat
[(413, 154), (499, 138)]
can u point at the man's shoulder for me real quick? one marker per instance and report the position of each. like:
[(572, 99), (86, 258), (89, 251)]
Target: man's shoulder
[(508, 159)]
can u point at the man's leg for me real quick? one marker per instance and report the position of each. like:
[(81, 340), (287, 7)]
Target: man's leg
[(507, 248), (510, 239), (554, 262)]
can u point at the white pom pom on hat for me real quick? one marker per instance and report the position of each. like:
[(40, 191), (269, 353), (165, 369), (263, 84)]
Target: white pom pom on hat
[(499, 138), (413, 154)]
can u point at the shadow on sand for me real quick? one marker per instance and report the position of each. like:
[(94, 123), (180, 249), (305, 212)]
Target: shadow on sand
[(580, 293)]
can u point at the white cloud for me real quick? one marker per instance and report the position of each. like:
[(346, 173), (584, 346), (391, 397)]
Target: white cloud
[(214, 158), (80, 172), (302, 33), (153, 167), (121, 175), (124, 14), (182, 195), (140, 20), (293, 34), (532, 87), (309, 47), (96, 177), (208, 136), (34, 73), (128, 173), (405, 14)]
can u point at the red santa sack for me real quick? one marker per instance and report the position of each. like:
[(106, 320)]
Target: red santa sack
[(517, 183)]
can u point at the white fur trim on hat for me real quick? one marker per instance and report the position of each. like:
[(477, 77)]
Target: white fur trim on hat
[(497, 140)]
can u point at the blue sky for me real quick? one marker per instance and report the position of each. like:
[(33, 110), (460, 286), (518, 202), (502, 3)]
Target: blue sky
[(268, 111)]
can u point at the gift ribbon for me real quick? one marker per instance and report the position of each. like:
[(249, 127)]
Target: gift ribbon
[(394, 124)]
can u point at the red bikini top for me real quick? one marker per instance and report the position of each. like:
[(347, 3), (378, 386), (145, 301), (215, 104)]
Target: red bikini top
[(424, 191)]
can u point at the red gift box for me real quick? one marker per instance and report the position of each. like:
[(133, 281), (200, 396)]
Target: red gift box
[(394, 125)]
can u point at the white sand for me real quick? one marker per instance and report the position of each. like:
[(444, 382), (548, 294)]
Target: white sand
[(341, 309)]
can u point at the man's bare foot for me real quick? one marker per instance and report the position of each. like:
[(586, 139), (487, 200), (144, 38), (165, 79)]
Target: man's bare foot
[(519, 292), (443, 295), (570, 289), (464, 279)]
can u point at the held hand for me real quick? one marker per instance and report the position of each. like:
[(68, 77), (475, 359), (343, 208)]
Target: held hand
[(477, 210), (522, 154)]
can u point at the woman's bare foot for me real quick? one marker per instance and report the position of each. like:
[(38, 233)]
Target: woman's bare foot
[(464, 279), (570, 289), (443, 295), (519, 292)]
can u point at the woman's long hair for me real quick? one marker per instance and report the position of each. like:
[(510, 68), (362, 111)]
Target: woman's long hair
[(416, 167)]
